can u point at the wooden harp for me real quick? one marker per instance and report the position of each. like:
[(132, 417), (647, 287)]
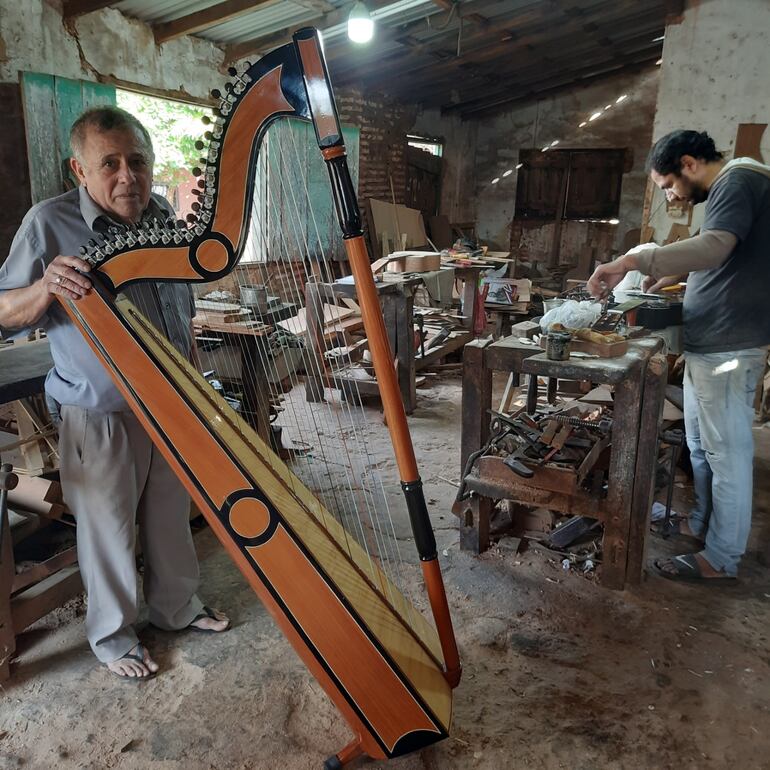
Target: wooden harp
[(388, 670)]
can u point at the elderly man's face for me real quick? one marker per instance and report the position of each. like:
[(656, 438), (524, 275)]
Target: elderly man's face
[(116, 169)]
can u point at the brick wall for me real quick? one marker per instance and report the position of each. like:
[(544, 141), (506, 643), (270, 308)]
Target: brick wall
[(384, 124)]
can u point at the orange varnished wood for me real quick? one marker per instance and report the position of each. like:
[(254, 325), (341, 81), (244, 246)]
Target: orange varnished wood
[(324, 114), (434, 584), (249, 518), (263, 100), (158, 264), (212, 256), (388, 707), (340, 640), (333, 152), (382, 358)]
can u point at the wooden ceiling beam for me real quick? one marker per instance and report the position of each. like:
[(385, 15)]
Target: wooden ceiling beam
[(200, 20), (551, 81), (517, 74), (508, 82), (265, 43), (72, 8), (529, 43), (525, 29), (432, 40)]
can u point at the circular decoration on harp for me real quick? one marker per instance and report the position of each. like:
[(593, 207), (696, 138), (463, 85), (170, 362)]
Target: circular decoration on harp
[(213, 256), (249, 518)]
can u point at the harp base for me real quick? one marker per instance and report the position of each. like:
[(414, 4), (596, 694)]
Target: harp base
[(351, 752)]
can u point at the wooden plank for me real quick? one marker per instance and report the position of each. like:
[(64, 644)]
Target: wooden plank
[(47, 595), (45, 569), (72, 8), (748, 141), (476, 400), (620, 484), (208, 17), (7, 570), (653, 399)]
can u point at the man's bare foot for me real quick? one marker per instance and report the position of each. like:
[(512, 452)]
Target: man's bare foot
[(135, 664), (210, 621)]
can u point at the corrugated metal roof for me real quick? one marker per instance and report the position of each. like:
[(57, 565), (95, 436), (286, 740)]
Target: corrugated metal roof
[(267, 18), (158, 11)]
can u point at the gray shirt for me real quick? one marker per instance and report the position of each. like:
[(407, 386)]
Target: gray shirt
[(62, 225), (728, 307)]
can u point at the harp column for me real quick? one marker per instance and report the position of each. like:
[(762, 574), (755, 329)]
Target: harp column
[(330, 142)]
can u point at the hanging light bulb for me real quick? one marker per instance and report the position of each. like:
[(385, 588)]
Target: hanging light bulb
[(360, 24)]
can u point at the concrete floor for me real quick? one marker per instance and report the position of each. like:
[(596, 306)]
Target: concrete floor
[(558, 671)]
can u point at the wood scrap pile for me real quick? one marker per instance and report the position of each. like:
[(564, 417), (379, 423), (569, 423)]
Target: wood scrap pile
[(225, 316)]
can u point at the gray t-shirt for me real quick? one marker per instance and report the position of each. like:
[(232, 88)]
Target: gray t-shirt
[(62, 225), (728, 308)]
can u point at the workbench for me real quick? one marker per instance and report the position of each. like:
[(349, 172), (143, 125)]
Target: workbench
[(638, 379), (27, 597)]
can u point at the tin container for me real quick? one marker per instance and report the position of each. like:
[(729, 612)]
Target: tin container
[(557, 346)]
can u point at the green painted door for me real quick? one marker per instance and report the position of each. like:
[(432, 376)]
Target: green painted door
[(51, 106)]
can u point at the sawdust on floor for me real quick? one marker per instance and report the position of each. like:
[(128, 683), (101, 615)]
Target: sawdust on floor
[(558, 671)]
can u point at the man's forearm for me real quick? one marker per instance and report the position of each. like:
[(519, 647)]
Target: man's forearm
[(20, 308), (701, 252)]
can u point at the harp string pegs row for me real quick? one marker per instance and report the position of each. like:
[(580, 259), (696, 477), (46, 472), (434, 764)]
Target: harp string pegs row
[(148, 232)]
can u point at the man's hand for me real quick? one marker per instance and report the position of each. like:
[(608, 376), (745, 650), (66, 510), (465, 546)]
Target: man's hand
[(651, 285), (606, 277), (62, 277)]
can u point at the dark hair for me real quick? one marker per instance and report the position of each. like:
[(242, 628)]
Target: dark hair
[(105, 118), (666, 154)]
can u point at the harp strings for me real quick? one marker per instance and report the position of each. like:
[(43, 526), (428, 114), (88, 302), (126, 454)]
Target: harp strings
[(336, 459)]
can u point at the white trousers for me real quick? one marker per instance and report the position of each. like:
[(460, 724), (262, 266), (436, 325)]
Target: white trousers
[(113, 478)]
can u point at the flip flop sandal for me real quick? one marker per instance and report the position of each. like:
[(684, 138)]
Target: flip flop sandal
[(207, 613), (139, 658), (687, 569)]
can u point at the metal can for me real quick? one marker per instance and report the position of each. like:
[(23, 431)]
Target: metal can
[(557, 346)]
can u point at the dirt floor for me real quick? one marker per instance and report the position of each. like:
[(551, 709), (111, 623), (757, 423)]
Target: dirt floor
[(558, 671)]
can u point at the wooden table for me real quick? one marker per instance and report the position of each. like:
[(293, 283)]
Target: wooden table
[(27, 597), (249, 345), (638, 379)]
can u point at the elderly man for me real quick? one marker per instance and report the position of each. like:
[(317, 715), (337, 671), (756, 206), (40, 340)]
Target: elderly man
[(726, 333), (112, 476)]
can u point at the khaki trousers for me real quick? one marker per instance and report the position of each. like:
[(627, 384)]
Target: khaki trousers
[(113, 478)]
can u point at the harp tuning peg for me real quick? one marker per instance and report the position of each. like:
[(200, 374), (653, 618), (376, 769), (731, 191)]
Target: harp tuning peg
[(216, 93), (196, 192), (206, 120), (232, 72), (201, 184), (180, 223), (196, 206), (199, 145), (208, 135), (83, 251), (191, 218), (196, 171)]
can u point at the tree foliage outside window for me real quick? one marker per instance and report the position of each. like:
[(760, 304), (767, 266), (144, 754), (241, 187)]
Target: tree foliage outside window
[(174, 128)]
